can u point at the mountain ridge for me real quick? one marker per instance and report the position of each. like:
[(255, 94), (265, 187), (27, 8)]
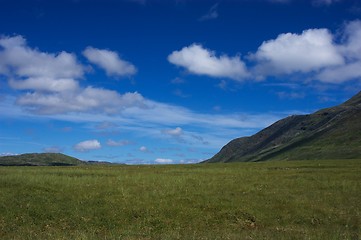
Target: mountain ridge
[(333, 132)]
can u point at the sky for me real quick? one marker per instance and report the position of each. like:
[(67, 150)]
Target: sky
[(167, 82)]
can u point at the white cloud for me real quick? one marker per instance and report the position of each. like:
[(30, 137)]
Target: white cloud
[(113, 143), (341, 73), (143, 149), (109, 61), (169, 115), (351, 45), (148, 122), (85, 100), (61, 97), (190, 161), (289, 53), (211, 14), (313, 54), (201, 61), (16, 58), (350, 48), (45, 84), (87, 145), (51, 81), (174, 132), (164, 161)]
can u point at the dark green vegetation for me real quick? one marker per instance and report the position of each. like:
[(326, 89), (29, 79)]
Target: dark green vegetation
[(40, 159), (332, 133), (45, 159), (268, 200)]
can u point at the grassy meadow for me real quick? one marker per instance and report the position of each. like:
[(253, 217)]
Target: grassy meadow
[(269, 200)]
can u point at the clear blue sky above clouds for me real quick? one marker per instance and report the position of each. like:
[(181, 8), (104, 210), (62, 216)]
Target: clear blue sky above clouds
[(151, 81)]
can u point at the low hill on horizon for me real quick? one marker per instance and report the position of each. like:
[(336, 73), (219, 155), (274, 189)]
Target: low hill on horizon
[(331, 133), (40, 159)]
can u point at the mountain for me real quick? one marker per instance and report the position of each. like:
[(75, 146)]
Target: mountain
[(331, 133), (40, 159)]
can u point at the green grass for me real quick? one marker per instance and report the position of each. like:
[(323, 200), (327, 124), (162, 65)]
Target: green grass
[(269, 200)]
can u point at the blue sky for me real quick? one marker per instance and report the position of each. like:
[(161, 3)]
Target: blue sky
[(152, 81)]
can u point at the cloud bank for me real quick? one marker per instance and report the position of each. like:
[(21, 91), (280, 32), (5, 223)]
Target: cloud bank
[(43, 89), (55, 94), (315, 54), (49, 83), (52, 80)]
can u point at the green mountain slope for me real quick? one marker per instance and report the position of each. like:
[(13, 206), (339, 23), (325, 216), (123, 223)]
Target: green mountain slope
[(40, 159), (332, 133)]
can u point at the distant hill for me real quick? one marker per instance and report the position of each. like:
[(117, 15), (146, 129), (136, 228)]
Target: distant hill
[(332, 133), (40, 159)]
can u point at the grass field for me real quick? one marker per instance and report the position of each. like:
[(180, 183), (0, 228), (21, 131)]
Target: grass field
[(270, 200)]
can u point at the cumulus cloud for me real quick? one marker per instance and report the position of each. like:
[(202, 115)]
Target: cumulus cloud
[(341, 73), (201, 61), (315, 54), (109, 61), (311, 50), (60, 96), (51, 81), (87, 145), (350, 48), (351, 45), (174, 132), (16, 58), (163, 161)]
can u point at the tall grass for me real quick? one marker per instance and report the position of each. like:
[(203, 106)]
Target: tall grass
[(273, 200)]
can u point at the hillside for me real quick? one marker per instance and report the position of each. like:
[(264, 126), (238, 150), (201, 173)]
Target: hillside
[(332, 133), (40, 159)]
